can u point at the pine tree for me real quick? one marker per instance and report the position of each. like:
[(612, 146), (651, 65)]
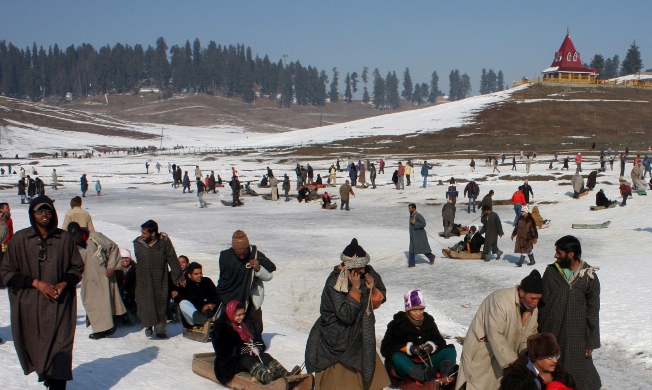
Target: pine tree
[(465, 86), (425, 93), (354, 83), (334, 95), (416, 96), (348, 96), (379, 90), (598, 64), (455, 85), (500, 81), (434, 88), (393, 98), (483, 82), (407, 85), (491, 81), (632, 63)]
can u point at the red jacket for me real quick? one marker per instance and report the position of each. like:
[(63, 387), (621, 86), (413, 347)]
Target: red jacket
[(518, 197), (401, 170), (10, 228)]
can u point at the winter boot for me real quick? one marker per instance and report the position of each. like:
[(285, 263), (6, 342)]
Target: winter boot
[(260, 372), (531, 257), (500, 253), (520, 261), (199, 318), (277, 369), (417, 372), (430, 374)]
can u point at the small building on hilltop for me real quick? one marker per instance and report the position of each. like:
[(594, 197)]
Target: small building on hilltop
[(568, 65)]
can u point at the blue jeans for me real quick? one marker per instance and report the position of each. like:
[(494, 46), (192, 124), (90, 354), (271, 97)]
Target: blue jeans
[(517, 210), (401, 183), (299, 181), (471, 202), (425, 181)]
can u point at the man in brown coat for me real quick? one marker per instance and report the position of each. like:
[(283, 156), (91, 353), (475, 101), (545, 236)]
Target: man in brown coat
[(154, 254), (41, 267), (526, 235)]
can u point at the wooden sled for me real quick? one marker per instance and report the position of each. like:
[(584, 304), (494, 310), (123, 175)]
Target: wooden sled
[(464, 255), (362, 186), (230, 203), (591, 226), (611, 206), (199, 333), (203, 365)]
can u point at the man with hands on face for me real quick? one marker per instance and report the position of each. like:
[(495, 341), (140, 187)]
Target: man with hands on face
[(341, 347), (41, 267)]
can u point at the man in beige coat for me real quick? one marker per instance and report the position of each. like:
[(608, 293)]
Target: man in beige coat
[(99, 290), (499, 333), (77, 214)]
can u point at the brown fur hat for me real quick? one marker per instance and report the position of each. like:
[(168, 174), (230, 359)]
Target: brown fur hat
[(541, 346)]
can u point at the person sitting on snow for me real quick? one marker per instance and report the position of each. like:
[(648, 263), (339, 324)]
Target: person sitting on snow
[(601, 199), (319, 180), (236, 350), (326, 202), (303, 194), (413, 346), (198, 300), (538, 218), (538, 367), (473, 240)]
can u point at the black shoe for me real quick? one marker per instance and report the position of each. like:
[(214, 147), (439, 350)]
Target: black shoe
[(520, 261), (162, 336), (500, 253), (2, 341), (111, 331), (97, 336), (149, 332), (199, 318)]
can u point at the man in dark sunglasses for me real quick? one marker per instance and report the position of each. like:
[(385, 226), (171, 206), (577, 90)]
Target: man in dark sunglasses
[(41, 267)]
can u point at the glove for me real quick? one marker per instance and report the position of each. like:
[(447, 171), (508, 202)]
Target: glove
[(429, 348), (413, 349)]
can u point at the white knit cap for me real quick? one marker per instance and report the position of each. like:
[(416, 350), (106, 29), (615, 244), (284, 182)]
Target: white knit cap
[(125, 253)]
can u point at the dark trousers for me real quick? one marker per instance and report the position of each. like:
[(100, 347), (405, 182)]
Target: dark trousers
[(622, 169), (407, 177), (490, 247), (254, 319), (381, 170), (247, 362)]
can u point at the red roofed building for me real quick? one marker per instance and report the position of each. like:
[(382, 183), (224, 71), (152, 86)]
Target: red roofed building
[(568, 65)]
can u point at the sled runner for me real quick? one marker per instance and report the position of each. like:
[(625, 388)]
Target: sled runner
[(611, 206), (230, 203), (464, 255), (591, 226), (203, 365)]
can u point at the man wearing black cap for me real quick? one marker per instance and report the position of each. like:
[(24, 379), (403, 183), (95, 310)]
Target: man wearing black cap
[(498, 333), (572, 311), (341, 347), (42, 267)]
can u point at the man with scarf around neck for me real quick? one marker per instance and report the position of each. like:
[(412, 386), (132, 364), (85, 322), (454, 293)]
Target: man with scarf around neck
[(243, 269), (572, 311), (414, 348), (237, 351), (99, 291), (498, 333), (341, 347), (538, 368), (41, 267)]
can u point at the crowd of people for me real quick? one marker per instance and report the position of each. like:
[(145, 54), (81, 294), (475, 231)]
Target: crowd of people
[(512, 343)]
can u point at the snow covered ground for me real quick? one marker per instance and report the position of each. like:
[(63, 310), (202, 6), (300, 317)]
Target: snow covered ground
[(17, 135), (305, 242)]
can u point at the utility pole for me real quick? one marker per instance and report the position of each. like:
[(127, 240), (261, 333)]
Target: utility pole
[(161, 147)]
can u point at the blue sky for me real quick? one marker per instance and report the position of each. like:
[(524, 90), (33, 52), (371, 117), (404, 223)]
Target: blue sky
[(518, 37)]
